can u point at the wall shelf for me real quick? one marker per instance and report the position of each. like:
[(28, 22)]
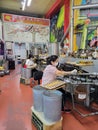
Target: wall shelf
[(85, 6), (88, 13)]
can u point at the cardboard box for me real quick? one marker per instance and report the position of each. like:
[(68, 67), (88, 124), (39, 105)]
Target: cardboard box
[(26, 73)]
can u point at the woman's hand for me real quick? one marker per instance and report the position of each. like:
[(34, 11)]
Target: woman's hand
[(74, 71)]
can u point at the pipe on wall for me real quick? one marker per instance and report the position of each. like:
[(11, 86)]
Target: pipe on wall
[(54, 9)]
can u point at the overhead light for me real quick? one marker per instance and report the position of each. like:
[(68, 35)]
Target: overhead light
[(23, 5), (22, 2), (29, 2)]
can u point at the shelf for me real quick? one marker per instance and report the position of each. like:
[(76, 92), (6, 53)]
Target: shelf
[(85, 6)]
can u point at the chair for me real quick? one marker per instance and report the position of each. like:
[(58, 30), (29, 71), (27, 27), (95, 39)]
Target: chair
[(38, 76), (36, 79)]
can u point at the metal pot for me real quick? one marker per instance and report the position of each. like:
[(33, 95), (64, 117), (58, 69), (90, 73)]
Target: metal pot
[(36, 51), (53, 49)]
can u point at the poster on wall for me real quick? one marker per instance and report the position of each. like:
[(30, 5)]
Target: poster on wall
[(25, 29), (42, 35), (17, 33), (0, 29), (9, 45), (57, 26)]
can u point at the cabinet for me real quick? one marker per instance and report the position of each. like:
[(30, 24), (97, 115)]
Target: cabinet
[(84, 24), (11, 64)]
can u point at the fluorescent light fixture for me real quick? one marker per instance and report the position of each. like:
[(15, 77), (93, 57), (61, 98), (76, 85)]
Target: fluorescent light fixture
[(24, 5), (29, 2)]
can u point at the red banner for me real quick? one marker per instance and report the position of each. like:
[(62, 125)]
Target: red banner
[(25, 19)]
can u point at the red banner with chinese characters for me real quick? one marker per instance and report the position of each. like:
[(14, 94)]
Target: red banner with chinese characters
[(25, 19)]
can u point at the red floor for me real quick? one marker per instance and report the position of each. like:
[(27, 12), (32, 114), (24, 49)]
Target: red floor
[(16, 101)]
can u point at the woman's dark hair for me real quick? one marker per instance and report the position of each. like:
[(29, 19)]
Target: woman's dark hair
[(52, 58), (30, 56)]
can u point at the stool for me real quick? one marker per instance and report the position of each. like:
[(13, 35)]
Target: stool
[(38, 76), (36, 80), (33, 82)]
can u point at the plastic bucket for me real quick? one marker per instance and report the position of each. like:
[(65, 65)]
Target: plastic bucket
[(52, 102), (28, 73), (38, 98), (23, 71)]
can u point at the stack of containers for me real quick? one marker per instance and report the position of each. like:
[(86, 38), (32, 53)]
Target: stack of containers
[(38, 98), (52, 101), (49, 102)]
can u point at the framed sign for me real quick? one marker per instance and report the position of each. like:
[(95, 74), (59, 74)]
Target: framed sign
[(25, 29)]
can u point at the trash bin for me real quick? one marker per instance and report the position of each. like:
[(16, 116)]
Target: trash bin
[(28, 73), (23, 71), (80, 93), (52, 102), (38, 98)]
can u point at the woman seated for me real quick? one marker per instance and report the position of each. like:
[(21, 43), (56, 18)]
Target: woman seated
[(30, 64), (50, 73)]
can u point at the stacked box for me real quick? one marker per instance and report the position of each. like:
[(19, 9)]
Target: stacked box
[(23, 72), (24, 81), (25, 76), (26, 73)]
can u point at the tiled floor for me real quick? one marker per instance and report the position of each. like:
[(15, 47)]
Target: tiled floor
[(16, 101)]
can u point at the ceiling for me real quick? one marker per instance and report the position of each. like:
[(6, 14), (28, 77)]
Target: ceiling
[(37, 8)]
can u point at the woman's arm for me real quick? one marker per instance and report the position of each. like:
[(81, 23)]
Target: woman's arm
[(32, 66), (58, 72)]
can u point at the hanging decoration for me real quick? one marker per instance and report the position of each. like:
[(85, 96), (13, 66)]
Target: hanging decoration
[(57, 26)]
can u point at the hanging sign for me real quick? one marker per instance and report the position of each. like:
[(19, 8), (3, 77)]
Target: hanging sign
[(25, 19), (25, 29)]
